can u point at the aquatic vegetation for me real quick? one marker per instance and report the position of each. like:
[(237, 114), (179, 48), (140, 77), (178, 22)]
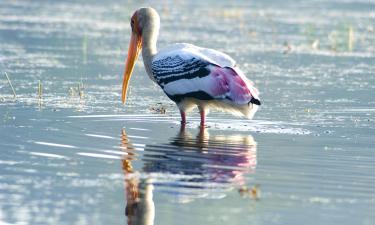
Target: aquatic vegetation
[(81, 90), (78, 91), (40, 90), (253, 192), (72, 163), (158, 108), (40, 93), (10, 84), (342, 39), (84, 48)]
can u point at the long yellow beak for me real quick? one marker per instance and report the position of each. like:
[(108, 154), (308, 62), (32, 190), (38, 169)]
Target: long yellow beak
[(135, 46)]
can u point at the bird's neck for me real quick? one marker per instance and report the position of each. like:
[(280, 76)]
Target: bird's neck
[(149, 49)]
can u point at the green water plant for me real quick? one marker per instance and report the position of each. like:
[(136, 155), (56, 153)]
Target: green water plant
[(40, 89), (10, 84), (342, 39), (79, 90)]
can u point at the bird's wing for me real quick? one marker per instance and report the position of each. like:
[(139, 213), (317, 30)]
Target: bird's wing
[(187, 51), (188, 71), (231, 83)]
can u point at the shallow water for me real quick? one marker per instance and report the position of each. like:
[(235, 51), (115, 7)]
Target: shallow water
[(78, 156)]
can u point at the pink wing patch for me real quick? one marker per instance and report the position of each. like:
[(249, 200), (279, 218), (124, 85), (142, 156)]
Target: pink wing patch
[(232, 84)]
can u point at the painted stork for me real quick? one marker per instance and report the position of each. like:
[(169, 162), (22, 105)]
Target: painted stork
[(189, 75)]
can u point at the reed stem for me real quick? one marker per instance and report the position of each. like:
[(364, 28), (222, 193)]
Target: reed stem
[(10, 84)]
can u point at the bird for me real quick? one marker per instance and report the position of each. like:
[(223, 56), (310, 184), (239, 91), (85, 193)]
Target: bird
[(189, 75)]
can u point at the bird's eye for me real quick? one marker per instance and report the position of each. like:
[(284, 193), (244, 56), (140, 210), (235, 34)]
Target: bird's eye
[(132, 23)]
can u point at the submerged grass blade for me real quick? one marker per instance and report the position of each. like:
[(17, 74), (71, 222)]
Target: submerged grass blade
[(10, 84)]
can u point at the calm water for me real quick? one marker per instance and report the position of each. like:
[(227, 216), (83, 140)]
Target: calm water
[(78, 156)]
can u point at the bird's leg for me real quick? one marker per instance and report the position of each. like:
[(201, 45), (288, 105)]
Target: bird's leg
[(183, 117), (202, 133), (182, 132), (203, 116)]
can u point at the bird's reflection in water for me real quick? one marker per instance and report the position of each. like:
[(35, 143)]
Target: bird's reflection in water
[(140, 208), (188, 166)]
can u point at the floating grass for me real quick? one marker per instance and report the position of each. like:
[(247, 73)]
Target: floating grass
[(10, 84)]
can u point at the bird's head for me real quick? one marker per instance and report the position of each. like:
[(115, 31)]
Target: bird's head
[(143, 23)]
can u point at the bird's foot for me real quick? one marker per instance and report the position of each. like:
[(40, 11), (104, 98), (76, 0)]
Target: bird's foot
[(182, 128), (202, 127)]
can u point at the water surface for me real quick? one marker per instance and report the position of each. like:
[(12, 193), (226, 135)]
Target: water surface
[(78, 156)]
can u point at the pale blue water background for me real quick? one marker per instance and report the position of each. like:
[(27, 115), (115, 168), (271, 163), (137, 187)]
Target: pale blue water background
[(309, 150)]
